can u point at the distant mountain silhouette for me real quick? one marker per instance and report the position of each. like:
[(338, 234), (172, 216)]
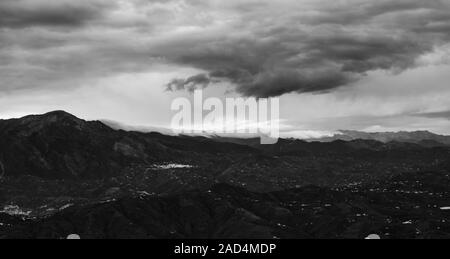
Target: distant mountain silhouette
[(424, 138), (144, 129)]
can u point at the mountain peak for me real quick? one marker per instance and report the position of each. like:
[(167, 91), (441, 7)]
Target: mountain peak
[(51, 117), (34, 123), (58, 113)]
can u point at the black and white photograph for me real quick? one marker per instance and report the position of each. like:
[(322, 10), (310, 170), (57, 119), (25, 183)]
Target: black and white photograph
[(241, 122)]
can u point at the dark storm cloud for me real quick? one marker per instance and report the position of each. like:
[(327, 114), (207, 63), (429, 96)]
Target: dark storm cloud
[(26, 13), (190, 84), (263, 48), (321, 50)]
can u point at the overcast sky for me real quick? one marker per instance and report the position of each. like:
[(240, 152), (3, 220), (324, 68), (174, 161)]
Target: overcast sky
[(336, 64)]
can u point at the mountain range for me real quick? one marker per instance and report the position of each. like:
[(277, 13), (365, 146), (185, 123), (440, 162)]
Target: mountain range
[(425, 138), (62, 175)]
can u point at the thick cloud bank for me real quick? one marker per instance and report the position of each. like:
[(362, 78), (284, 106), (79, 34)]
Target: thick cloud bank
[(263, 48)]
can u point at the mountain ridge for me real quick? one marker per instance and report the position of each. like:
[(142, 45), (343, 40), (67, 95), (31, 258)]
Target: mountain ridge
[(58, 145), (425, 138)]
